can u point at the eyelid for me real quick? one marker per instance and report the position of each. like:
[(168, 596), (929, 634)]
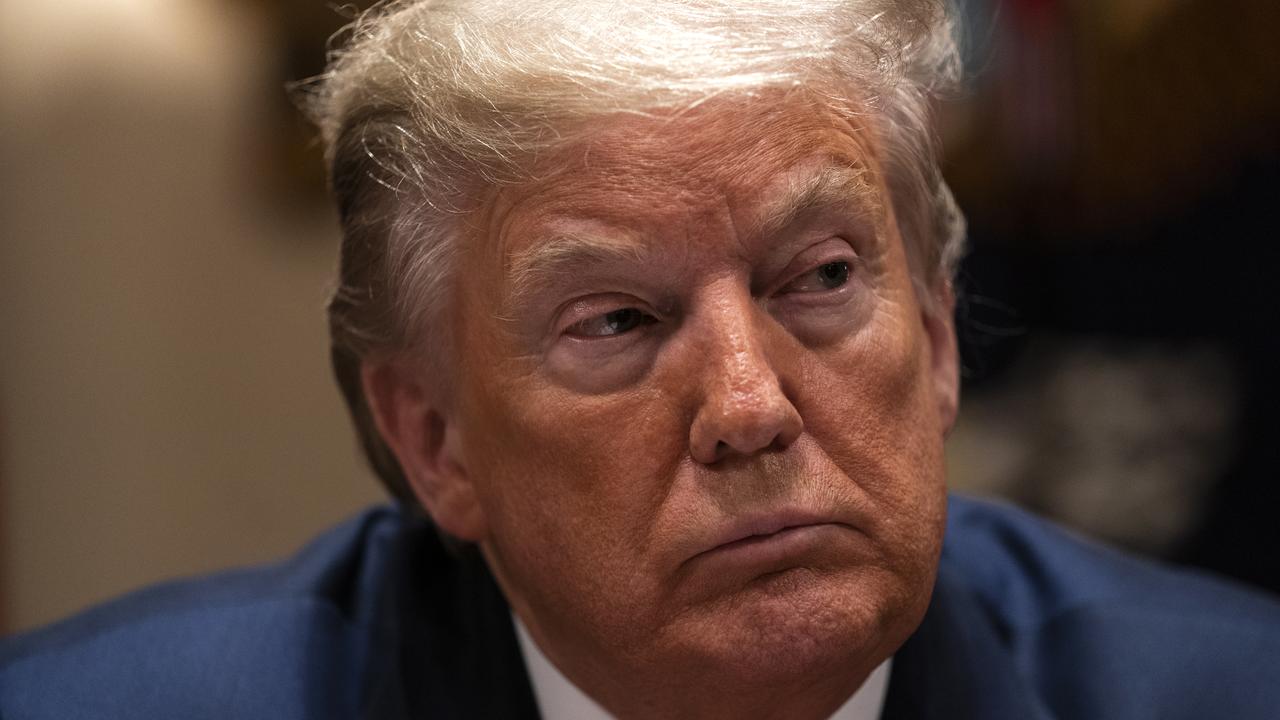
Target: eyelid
[(791, 285), (836, 249), (581, 309)]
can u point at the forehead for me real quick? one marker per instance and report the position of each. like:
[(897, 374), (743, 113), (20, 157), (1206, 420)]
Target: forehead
[(641, 174)]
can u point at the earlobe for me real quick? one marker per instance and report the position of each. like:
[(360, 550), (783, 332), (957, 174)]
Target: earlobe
[(939, 323), (426, 443)]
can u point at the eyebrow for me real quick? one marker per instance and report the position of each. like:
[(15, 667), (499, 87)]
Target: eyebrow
[(833, 186), (562, 255), (565, 253)]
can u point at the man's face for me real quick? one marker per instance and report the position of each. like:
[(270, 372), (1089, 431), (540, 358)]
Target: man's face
[(700, 404)]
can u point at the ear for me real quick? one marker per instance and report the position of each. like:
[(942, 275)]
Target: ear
[(425, 442), (939, 325)]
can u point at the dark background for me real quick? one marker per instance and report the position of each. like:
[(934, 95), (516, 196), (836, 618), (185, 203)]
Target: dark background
[(1118, 165)]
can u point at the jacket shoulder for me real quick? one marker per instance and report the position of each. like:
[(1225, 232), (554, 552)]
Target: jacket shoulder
[(280, 641), (1102, 634)]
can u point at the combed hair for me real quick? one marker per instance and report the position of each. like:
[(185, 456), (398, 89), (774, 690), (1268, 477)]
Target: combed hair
[(430, 102)]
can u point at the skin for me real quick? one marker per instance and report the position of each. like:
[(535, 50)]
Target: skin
[(746, 376)]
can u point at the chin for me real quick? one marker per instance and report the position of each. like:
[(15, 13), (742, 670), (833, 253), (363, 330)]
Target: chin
[(798, 624)]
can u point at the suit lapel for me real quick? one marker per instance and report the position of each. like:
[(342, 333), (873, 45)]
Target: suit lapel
[(955, 666), (446, 645)]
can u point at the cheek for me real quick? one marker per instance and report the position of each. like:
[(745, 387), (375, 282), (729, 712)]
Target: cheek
[(869, 404), (877, 380), (571, 488), (555, 466)]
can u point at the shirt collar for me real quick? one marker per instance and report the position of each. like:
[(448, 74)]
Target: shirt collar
[(559, 698)]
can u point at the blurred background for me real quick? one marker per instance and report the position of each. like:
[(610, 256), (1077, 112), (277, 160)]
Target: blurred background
[(165, 248)]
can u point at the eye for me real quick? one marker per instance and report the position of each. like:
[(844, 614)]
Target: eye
[(615, 322), (827, 276)]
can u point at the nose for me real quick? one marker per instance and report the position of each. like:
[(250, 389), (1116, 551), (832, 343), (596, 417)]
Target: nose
[(745, 407)]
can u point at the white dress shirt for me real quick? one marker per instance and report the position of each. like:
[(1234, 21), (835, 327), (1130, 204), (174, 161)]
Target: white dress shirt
[(560, 699)]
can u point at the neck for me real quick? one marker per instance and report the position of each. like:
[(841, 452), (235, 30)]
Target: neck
[(817, 700), (692, 693)]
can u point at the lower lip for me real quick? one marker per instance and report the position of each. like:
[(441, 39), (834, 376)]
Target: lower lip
[(790, 547)]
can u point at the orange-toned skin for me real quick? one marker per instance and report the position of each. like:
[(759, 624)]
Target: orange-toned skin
[(599, 474)]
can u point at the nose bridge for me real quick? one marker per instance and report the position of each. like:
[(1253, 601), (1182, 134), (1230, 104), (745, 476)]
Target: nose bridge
[(745, 407), (739, 356)]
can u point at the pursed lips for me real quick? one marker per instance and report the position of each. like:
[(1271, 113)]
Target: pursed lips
[(762, 528)]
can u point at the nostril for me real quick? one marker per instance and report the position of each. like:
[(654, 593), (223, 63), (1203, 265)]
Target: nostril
[(719, 451), (722, 450)]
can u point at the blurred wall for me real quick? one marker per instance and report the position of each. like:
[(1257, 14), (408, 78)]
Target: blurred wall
[(165, 400)]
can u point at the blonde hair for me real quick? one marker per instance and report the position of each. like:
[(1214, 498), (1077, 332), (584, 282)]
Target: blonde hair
[(431, 101)]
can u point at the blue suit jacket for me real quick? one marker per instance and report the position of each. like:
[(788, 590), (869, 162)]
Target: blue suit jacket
[(378, 619)]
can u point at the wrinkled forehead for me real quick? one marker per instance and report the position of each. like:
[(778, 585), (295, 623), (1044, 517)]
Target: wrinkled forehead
[(643, 173)]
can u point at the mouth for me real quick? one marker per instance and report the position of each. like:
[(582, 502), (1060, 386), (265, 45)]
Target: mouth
[(762, 538), (771, 543)]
